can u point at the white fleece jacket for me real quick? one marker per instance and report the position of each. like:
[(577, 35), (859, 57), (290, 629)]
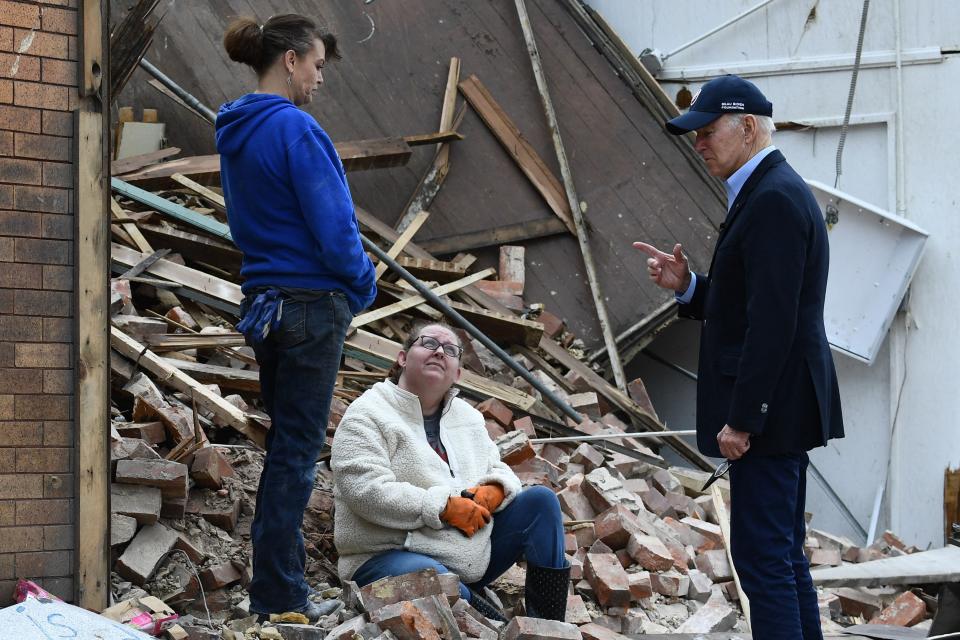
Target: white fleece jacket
[(390, 486)]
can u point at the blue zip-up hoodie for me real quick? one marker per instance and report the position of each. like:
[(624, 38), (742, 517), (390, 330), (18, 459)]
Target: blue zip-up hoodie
[(290, 209)]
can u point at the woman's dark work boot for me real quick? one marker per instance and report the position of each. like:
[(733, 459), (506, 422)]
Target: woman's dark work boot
[(545, 592), (485, 607)]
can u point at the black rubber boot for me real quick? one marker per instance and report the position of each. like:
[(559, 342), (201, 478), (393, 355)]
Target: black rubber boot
[(485, 607), (545, 592)]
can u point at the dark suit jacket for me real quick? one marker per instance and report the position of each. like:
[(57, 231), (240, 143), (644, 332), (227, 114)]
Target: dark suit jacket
[(765, 365)]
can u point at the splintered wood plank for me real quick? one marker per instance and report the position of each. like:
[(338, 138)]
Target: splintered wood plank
[(723, 518), (499, 235), (189, 278), (379, 351), (180, 341), (418, 221), (444, 135), (224, 377), (170, 376), (432, 269), (502, 329), (194, 247), (118, 213), (519, 149), (212, 197), (413, 301)]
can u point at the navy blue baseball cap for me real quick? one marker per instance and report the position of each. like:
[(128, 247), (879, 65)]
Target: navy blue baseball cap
[(727, 94)]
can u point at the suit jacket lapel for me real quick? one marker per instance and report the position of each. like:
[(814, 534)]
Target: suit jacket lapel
[(773, 158)]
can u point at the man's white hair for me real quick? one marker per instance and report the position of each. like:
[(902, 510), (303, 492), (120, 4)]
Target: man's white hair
[(767, 127)]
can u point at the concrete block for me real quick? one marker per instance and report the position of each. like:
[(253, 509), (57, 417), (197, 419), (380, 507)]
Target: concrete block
[(522, 628), (609, 581), (713, 617), (825, 558), (142, 555), (701, 586), (139, 502), (649, 552)]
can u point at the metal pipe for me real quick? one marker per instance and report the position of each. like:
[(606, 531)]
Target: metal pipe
[(191, 101), (615, 436), (844, 511), (714, 30), (674, 367), (443, 307)]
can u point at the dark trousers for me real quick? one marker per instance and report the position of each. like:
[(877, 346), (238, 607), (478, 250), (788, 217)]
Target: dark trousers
[(767, 529), (530, 527), (298, 371)]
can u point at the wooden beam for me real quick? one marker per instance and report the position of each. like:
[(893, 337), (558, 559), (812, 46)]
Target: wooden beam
[(444, 135), (415, 300), (432, 270), (194, 247), (92, 304), (180, 341), (606, 326), (502, 329), (133, 163), (418, 221), (511, 233), (172, 377), (172, 209), (519, 149), (224, 377), (118, 213), (379, 351)]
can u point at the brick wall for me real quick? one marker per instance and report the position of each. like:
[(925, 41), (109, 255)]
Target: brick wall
[(38, 78)]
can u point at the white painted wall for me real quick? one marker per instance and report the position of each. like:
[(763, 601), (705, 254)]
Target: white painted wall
[(922, 351)]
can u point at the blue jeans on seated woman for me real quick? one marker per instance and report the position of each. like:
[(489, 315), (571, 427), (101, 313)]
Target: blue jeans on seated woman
[(298, 371), (531, 527)]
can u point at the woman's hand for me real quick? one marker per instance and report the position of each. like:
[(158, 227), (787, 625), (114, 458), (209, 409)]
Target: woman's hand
[(466, 515), (488, 496)]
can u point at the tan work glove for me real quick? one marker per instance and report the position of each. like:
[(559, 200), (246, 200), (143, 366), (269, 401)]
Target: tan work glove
[(488, 496), (466, 515)]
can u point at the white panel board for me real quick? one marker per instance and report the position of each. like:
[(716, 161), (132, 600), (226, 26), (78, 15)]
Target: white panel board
[(873, 256)]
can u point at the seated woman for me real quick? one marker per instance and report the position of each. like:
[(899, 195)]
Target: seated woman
[(406, 456)]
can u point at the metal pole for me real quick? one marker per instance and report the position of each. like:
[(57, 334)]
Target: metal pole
[(615, 436), (191, 101), (442, 306), (572, 199), (714, 30), (844, 511)]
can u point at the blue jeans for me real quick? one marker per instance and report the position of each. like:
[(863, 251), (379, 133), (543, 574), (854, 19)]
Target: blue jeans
[(767, 529), (298, 372), (531, 527)]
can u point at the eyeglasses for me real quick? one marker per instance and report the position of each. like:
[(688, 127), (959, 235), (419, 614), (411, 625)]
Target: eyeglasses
[(431, 344)]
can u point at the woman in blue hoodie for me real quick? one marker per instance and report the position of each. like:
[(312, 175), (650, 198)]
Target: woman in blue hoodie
[(305, 275)]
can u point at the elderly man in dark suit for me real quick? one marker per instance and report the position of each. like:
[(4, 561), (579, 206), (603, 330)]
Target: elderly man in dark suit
[(767, 389)]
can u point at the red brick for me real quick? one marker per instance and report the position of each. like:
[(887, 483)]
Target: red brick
[(44, 563), (6, 39), (169, 476), (8, 512), (715, 565), (21, 486), (205, 469), (39, 512), (18, 67), (20, 223), (6, 137), (58, 485), (6, 567), (60, 72), (45, 45), (57, 381), (57, 278), (219, 576), (60, 21), (60, 587), (58, 174), (42, 251), (8, 460), (42, 199), (906, 611), (15, 539), (649, 552), (52, 356), (56, 226), (43, 407), (145, 551), (670, 583), (6, 92), (49, 459), (21, 171), (17, 275), (6, 249), (525, 424), (19, 118), (7, 407), (6, 194), (57, 330), (57, 123), (708, 530), (609, 581), (47, 96), (21, 381), (21, 434), (493, 408), (640, 586), (521, 628), (19, 14), (615, 525)]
